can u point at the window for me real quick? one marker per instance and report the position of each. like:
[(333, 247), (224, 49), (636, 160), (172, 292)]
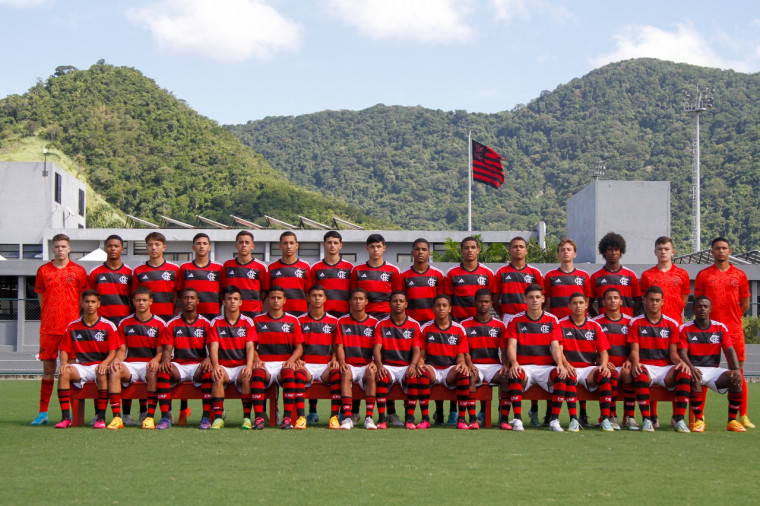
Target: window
[(309, 250), (349, 257), (81, 203), (140, 249), (403, 259), (8, 297), (9, 250), (33, 310), (177, 257), (33, 251), (58, 188)]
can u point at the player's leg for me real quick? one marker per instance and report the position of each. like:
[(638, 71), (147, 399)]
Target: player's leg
[(597, 380), (739, 347), (641, 384), (101, 381), (331, 377), (559, 386), (412, 398), (462, 385), (164, 382), (571, 399), (370, 396), (346, 397), (302, 376), (46, 389), (383, 384), (735, 387), (151, 380), (115, 380), (287, 380), (206, 381), (681, 380), (471, 402), (259, 381), (218, 386), (244, 387), (69, 376)]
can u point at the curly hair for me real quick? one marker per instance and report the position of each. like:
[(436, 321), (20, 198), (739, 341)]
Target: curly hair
[(611, 239)]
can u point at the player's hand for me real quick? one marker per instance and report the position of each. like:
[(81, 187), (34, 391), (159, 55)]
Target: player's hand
[(246, 373), (696, 375), (166, 366), (115, 366), (636, 369), (206, 365), (570, 370), (63, 369), (605, 371), (153, 366), (412, 371), (344, 367), (463, 369), (682, 367), (515, 371), (372, 367), (300, 364), (218, 373), (561, 372), (289, 364), (333, 364), (258, 364), (736, 377), (611, 367), (102, 368), (382, 372)]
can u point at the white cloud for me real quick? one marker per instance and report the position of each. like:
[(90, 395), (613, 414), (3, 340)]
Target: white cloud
[(23, 4), (426, 21), (507, 10), (226, 31), (683, 45)]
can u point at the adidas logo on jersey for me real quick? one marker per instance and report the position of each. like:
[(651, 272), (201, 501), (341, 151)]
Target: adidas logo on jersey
[(569, 333), (460, 281), (411, 283), (144, 277), (523, 329), (644, 332), (222, 332), (179, 332), (78, 337), (131, 331), (321, 274), (189, 275), (363, 276), (103, 278), (231, 273), (306, 328), (278, 273), (388, 333), (264, 327), (473, 333)]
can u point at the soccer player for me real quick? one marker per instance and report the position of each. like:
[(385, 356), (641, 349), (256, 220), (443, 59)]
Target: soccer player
[(512, 279), (232, 350), (319, 329), (485, 336), (248, 274), (421, 282), (443, 357), (291, 273), (534, 351), (93, 342), (138, 358), (58, 285), (654, 359), (612, 248), (279, 349), (584, 346), (700, 343), (615, 327), (186, 337), (396, 351), (727, 288), (204, 276), (353, 350)]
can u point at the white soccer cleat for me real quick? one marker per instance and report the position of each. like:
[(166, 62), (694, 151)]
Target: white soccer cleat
[(574, 425), (369, 424), (631, 423), (554, 426), (347, 424), (607, 426), (615, 423), (517, 424), (681, 427), (648, 426)]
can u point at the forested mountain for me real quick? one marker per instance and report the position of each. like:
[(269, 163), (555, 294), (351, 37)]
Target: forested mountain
[(148, 153), (409, 164)]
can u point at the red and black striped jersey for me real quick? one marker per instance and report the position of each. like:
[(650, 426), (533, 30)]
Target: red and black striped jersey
[(654, 339), (397, 341), (379, 282), (421, 288), (188, 339), (356, 338), (582, 343), (141, 337), (207, 281), (293, 278), (703, 346), (623, 279), (510, 284), (461, 285), (318, 337), (90, 344), (278, 337), (443, 345), (560, 285), (232, 338), (336, 280), (161, 281), (251, 279), (485, 339), (617, 336), (534, 337), (115, 288)]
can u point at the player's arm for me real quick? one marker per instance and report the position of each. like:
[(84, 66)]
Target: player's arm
[(468, 361), (563, 366), (103, 366), (604, 360), (291, 362), (744, 304), (377, 356), (462, 364), (166, 358), (213, 355), (64, 362), (414, 366), (155, 363), (683, 354), (340, 355), (679, 364), (121, 354), (514, 367), (634, 358), (733, 365)]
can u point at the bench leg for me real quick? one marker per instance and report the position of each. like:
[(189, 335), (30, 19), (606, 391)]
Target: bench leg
[(77, 410)]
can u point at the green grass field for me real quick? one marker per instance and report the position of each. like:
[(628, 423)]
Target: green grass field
[(317, 466)]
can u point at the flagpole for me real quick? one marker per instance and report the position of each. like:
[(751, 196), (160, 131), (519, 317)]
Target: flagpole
[(469, 185)]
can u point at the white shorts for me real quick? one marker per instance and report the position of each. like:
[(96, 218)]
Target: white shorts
[(486, 372), (440, 377), (316, 371), (187, 373), (234, 374), (86, 373), (137, 371), (357, 374), (710, 375), (273, 369), (657, 374), (538, 375), (398, 374), (582, 374)]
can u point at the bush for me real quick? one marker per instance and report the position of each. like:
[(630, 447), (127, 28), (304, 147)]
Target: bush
[(751, 329)]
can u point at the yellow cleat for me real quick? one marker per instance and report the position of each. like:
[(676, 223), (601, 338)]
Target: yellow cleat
[(300, 423), (116, 423), (218, 424), (149, 423), (735, 426), (698, 425), (744, 420), (334, 423)]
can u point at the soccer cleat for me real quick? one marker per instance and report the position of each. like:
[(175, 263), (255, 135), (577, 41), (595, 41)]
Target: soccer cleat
[(438, 418), (554, 426), (517, 425), (744, 420), (99, 424), (312, 418), (546, 420), (462, 425), (286, 424), (356, 418), (395, 421), (647, 426), (382, 425), (574, 425), (41, 419), (606, 425), (116, 423), (473, 425), (410, 426), (424, 424), (333, 423), (66, 423), (170, 416), (247, 425), (655, 421), (149, 423), (630, 423), (505, 425), (681, 427), (347, 423), (584, 422), (184, 414), (733, 426), (217, 424), (128, 421), (534, 420), (615, 423), (205, 424), (259, 423), (301, 423), (94, 419), (164, 423), (452, 420), (698, 425), (481, 418), (142, 417)]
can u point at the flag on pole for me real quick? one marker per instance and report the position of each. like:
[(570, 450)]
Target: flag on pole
[(486, 165)]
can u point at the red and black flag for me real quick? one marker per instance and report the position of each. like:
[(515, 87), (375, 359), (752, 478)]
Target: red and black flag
[(486, 165)]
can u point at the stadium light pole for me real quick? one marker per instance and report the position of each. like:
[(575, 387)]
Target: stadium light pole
[(697, 103)]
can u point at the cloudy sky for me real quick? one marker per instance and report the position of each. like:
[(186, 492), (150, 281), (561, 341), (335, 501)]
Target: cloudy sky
[(240, 60)]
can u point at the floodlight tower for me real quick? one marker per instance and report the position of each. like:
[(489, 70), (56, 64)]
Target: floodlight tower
[(599, 169), (697, 103)]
